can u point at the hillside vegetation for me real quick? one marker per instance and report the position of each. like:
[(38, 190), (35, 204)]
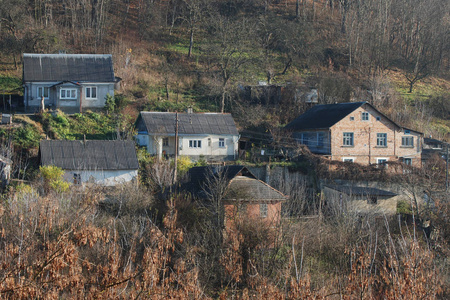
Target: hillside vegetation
[(180, 53)]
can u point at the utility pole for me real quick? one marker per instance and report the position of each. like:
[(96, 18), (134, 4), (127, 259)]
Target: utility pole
[(446, 170), (176, 149)]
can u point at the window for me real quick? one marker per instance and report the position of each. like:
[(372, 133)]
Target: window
[(407, 141), (348, 159), (352, 118), (378, 118), (348, 139), (382, 161), (77, 178), (165, 142), (263, 210), (91, 93), (381, 139), (372, 199), (42, 91), (221, 143), (68, 94), (195, 143), (407, 161), (365, 116)]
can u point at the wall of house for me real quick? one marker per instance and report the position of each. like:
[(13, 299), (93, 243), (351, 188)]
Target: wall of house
[(31, 98), (365, 149), (103, 89), (318, 141), (209, 149), (251, 211), (107, 178)]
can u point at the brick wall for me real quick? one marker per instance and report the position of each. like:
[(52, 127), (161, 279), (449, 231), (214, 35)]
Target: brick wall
[(365, 149)]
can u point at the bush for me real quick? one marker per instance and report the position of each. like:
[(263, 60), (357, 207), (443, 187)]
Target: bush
[(53, 179)]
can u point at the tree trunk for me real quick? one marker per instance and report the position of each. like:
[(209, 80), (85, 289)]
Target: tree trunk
[(191, 42)]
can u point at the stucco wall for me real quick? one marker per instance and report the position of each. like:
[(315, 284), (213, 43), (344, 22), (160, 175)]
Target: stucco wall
[(107, 178)]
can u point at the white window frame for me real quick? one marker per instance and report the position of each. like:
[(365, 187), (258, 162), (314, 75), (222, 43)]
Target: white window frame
[(348, 159), (221, 143), (407, 144), (348, 141), (195, 144), (90, 88), (72, 90), (365, 116), (382, 161), (42, 89), (405, 159), (381, 139), (165, 142), (263, 210)]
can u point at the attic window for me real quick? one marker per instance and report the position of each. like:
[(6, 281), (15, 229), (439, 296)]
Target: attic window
[(263, 210), (378, 118), (352, 118), (407, 131), (365, 116)]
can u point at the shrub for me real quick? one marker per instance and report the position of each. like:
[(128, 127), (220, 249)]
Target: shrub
[(53, 179)]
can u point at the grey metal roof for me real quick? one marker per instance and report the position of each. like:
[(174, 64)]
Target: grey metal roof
[(242, 184), (361, 191), (68, 67), (188, 123), (89, 155), (323, 116)]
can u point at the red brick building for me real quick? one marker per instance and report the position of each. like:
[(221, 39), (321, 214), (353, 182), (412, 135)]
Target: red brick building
[(356, 132)]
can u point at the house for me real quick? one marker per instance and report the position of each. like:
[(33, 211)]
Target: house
[(361, 200), (213, 136), (5, 171), (70, 82), (103, 162), (356, 132), (433, 148), (244, 195)]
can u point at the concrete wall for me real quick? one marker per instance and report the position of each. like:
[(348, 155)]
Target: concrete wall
[(107, 178)]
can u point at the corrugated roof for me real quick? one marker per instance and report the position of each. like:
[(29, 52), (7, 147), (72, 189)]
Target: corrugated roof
[(188, 123), (68, 67), (361, 191), (89, 155), (323, 116)]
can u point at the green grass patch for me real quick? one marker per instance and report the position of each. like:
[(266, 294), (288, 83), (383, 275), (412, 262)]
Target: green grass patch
[(10, 84)]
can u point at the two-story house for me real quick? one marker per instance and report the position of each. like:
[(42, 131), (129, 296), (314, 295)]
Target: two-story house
[(70, 82), (356, 132), (213, 136)]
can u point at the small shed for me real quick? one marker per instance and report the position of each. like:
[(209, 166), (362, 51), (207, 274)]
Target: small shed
[(6, 118), (102, 162), (364, 200)]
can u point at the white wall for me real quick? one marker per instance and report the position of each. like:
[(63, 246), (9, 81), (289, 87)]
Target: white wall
[(107, 178)]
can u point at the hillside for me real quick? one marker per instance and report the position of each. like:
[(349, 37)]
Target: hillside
[(175, 54)]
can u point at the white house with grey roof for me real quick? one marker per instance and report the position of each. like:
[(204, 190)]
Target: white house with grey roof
[(102, 162), (70, 82), (213, 136)]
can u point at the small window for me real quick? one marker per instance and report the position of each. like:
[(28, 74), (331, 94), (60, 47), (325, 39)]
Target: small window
[(348, 159), (378, 118), (365, 116), (42, 91), (382, 162), (407, 141), (372, 199), (221, 143), (91, 93), (348, 139), (195, 143), (68, 94), (407, 161), (352, 118), (263, 210), (407, 131), (165, 142), (77, 178), (381, 139)]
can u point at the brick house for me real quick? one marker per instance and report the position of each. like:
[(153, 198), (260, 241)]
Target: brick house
[(245, 196), (356, 132)]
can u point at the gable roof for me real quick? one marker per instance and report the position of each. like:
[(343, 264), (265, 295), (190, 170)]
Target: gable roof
[(89, 155), (361, 191), (323, 116), (68, 67), (242, 184), (188, 123)]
